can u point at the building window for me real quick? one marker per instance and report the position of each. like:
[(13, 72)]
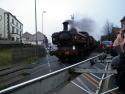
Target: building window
[(13, 29), (123, 26), (0, 35), (20, 33), (17, 39), (17, 31), (12, 21), (12, 38), (20, 26), (17, 24), (27, 38)]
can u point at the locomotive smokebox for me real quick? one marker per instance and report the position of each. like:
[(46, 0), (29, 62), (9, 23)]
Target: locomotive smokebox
[(65, 26)]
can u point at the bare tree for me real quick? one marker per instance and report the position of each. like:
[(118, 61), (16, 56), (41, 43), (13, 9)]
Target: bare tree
[(107, 29)]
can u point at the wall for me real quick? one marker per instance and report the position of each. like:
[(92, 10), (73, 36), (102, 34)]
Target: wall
[(2, 23), (18, 53)]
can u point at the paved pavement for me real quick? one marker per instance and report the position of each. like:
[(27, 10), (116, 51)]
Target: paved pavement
[(88, 83)]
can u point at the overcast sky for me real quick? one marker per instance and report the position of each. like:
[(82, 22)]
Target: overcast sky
[(59, 10)]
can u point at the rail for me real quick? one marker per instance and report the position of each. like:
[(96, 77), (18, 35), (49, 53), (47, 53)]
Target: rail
[(12, 88)]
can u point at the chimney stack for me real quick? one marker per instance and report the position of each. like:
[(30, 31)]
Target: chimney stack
[(65, 26)]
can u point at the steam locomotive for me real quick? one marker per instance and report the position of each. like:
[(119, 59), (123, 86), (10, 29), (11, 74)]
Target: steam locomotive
[(72, 45)]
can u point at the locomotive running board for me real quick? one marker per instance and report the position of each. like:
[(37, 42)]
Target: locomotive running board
[(77, 70)]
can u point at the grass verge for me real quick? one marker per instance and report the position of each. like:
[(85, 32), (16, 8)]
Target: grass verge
[(5, 57)]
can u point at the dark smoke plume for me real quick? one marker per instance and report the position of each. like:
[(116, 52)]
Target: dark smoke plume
[(85, 25)]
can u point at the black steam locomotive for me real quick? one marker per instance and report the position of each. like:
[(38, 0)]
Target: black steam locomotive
[(71, 44)]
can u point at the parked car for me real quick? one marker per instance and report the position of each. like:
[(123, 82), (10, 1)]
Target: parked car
[(107, 46)]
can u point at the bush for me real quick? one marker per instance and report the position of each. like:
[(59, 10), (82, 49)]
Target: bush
[(25, 54), (5, 56)]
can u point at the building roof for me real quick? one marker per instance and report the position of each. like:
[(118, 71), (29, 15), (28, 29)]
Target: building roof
[(40, 36), (3, 10), (115, 29), (13, 17), (26, 34), (123, 19), (32, 37), (7, 12)]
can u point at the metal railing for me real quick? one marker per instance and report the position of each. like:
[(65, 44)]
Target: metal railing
[(18, 86)]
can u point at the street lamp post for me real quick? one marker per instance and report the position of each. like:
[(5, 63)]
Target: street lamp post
[(36, 23), (42, 19)]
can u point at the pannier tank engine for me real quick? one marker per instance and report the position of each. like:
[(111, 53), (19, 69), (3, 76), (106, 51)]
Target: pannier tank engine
[(72, 45)]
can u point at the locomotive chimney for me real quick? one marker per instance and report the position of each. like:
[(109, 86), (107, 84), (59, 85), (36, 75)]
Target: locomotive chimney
[(65, 26)]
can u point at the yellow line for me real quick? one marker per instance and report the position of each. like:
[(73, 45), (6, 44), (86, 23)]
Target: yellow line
[(113, 92), (90, 81), (106, 83), (92, 78)]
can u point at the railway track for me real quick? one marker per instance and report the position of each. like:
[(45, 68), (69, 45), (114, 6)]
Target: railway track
[(14, 74)]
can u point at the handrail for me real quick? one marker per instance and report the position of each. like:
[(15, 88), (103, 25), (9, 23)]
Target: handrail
[(45, 76)]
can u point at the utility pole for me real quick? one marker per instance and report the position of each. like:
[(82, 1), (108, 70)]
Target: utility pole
[(36, 23), (42, 19)]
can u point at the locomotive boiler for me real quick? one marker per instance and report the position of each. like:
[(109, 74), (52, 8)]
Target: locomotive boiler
[(72, 45)]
